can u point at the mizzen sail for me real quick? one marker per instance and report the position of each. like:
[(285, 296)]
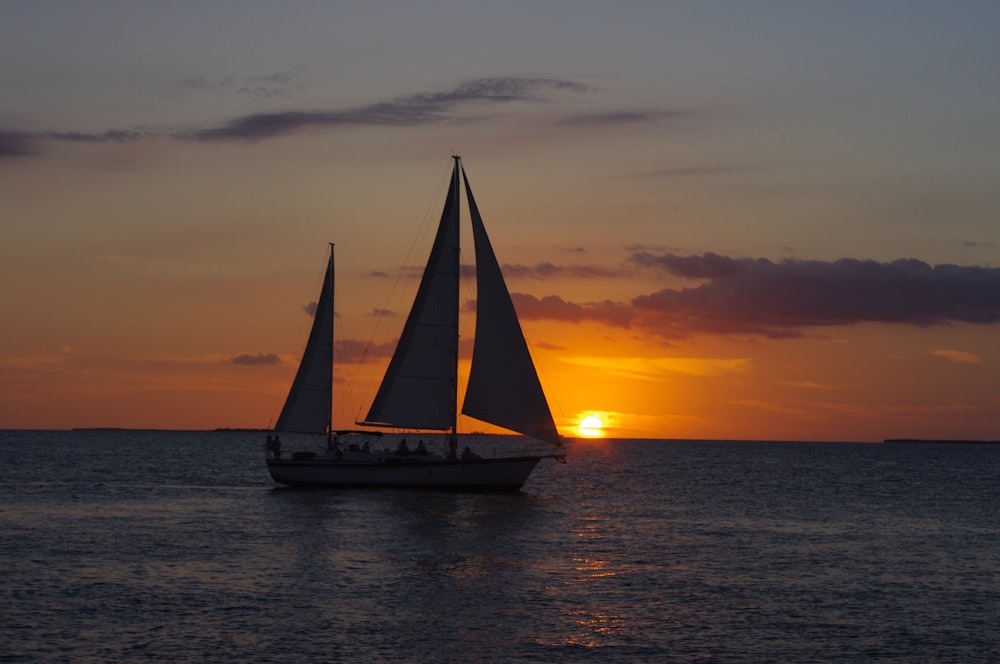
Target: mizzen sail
[(307, 408)]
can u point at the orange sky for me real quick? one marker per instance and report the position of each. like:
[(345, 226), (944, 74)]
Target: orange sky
[(716, 222)]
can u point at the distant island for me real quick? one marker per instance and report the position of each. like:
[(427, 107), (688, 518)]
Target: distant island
[(220, 429), (935, 441)]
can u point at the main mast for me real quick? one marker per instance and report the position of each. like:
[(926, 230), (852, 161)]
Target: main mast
[(453, 438), (333, 317)]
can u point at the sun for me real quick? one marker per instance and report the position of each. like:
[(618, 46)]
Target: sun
[(591, 426)]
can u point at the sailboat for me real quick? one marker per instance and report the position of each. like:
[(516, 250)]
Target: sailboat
[(420, 388)]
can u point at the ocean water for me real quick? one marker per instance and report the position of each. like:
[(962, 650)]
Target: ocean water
[(176, 546)]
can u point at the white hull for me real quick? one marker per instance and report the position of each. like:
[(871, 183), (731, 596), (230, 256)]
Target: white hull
[(472, 475)]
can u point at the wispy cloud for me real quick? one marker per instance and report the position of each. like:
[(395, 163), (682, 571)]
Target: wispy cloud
[(279, 85), (414, 110), (959, 356), (627, 117), (110, 136), (551, 271), (248, 359)]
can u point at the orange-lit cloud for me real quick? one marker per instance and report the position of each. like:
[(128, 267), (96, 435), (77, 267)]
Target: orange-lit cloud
[(655, 368), (958, 356), (256, 359)]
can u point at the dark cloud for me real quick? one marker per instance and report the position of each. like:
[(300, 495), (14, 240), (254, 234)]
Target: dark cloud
[(758, 296), (310, 308), (613, 118), (707, 266), (258, 359), (553, 307), (111, 136), (17, 144), (688, 172), (381, 313), (417, 109)]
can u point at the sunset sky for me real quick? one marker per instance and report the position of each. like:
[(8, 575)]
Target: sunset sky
[(749, 220)]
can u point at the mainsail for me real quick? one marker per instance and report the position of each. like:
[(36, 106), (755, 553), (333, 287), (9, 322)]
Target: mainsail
[(418, 390), (420, 385), (307, 408)]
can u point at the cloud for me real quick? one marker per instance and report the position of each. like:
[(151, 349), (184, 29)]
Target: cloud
[(553, 307), (110, 136), (280, 85), (975, 244), (353, 351), (381, 313), (414, 110), (617, 118), (959, 356), (17, 144), (758, 296), (248, 359), (410, 111), (778, 300), (550, 271)]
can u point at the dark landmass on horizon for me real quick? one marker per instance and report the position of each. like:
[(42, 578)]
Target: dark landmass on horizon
[(937, 441)]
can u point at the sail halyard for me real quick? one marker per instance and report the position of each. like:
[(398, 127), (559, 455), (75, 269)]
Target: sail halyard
[(419, 387), (503, 386), (308, 407)]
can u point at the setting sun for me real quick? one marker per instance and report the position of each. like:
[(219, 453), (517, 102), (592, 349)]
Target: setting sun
[(591, 426)]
